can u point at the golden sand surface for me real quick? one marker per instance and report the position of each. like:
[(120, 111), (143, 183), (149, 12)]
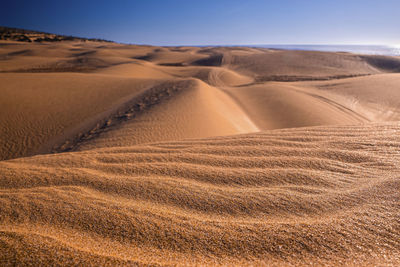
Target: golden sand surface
[(116, 154)]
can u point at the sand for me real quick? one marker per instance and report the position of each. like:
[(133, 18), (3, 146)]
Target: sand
[(155, 156)]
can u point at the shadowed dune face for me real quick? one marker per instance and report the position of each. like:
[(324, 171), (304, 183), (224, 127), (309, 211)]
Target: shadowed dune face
[(307, 195), (194, 156), (391, 64)]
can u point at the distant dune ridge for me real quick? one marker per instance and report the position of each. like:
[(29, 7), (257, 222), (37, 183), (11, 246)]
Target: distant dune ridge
[(117, 154)]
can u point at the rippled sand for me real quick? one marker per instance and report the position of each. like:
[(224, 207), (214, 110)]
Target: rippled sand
[(133, 155)]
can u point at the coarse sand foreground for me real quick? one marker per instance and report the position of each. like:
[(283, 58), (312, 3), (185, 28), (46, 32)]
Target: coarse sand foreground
[(316, 195)]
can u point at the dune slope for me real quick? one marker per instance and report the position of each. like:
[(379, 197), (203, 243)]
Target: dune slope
[(38, 111), (376, 96), (286, 105), (117, 154), (197, 110), (54, 95), (323, 195)]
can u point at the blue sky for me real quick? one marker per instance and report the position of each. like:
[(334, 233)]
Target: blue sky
[(213, 22)]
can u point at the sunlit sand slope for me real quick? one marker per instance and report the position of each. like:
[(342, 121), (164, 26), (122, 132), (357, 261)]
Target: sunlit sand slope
[(38, 111), (285, 105), (322, 195), (61, 96), (196, 110), (376, 96)]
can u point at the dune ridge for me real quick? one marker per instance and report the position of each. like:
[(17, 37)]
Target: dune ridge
[(198, 111), (97, 89), (116, 154)]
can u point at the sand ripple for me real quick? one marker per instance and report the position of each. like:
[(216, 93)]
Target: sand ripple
[(308, 195)]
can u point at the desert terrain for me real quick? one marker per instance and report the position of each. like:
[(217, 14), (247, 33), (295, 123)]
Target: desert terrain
[(114, 154)]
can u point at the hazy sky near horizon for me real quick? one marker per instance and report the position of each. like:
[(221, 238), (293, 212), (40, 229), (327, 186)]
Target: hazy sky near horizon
[(213, 22)]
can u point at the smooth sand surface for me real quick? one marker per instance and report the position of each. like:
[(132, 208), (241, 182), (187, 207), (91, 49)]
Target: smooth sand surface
[(156, 156), (37, 108)]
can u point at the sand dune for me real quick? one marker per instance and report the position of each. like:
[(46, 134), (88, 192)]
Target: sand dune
[(197, 156), (103, 84), (276, 105), (38, 111), (375, 96), (197, 111), (307, 195)]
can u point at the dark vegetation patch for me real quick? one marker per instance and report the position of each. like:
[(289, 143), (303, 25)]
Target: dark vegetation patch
[(145, 57), (21, 35), (178, 49), (25, 52), (80, 64), (296, 78), (174, 64), (84, 53), (213, 60)]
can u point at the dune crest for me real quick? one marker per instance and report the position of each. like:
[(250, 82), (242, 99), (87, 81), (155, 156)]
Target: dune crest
[(116, 154), (197, 111), (84, 90)]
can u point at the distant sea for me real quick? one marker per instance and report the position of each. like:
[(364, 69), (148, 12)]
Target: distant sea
[(359, 49)]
